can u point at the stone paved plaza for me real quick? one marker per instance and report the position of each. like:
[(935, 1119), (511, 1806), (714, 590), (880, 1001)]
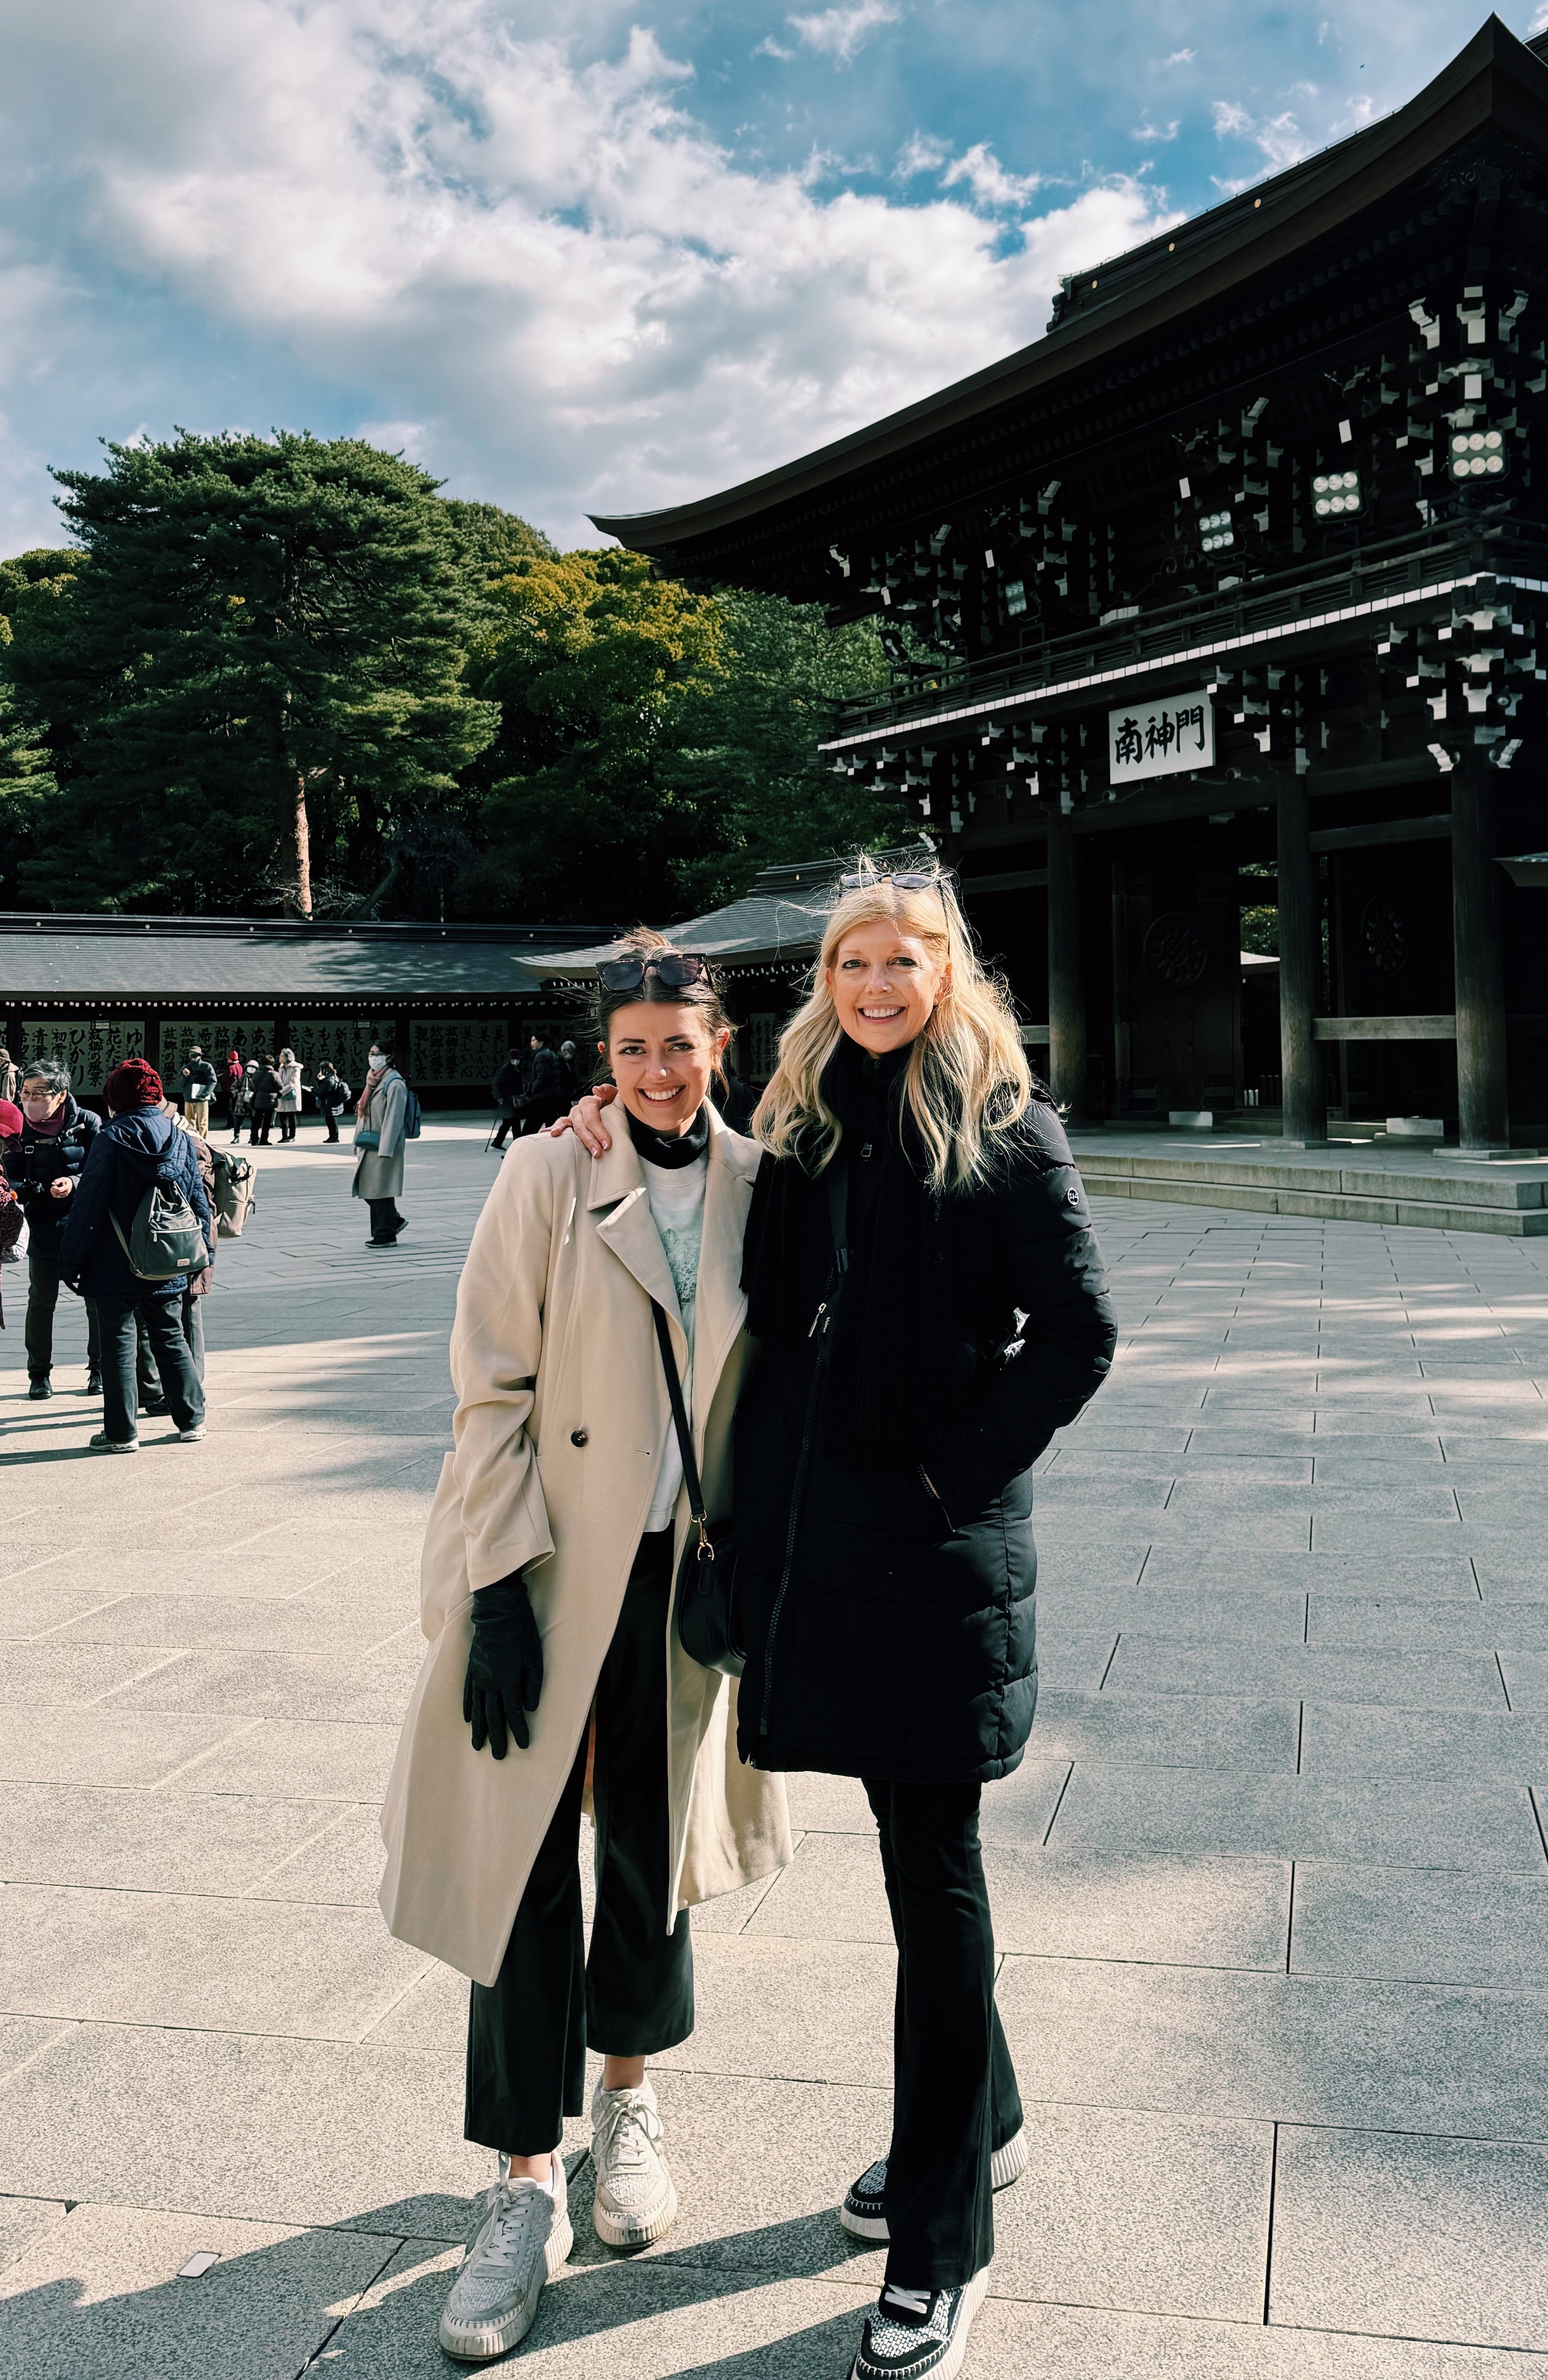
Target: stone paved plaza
[(1270, 1888)]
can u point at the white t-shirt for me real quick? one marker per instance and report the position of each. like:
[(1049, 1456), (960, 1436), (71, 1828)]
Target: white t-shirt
[(677, 1196)]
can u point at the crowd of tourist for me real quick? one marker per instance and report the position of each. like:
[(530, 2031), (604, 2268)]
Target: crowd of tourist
[(125, 1209)]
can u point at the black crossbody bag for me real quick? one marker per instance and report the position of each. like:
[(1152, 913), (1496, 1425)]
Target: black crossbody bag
[(708, 1614)]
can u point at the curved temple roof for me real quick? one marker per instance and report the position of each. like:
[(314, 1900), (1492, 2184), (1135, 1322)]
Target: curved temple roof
[(1495, 79)]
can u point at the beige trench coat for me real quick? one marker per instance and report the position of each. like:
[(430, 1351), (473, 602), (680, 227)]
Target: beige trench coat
[(379, 1170), (562, 1415)]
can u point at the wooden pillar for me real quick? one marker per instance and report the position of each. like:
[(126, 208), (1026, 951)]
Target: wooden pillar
[(1300, 969), (1066, 996), (1481, 1095)]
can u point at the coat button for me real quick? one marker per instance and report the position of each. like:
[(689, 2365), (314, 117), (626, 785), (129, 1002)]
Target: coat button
[(578, 1437)]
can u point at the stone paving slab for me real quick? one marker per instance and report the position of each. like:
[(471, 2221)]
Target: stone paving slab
[(1415, 2238), (95, 2296), (1269, 1886)]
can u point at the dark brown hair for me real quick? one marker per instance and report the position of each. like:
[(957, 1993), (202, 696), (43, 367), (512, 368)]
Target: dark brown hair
[(644, 942)]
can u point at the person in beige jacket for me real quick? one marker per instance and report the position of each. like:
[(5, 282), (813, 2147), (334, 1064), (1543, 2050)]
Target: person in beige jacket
[(547, 1583)]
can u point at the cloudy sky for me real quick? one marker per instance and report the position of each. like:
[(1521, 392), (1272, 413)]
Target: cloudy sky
[(593, 256)]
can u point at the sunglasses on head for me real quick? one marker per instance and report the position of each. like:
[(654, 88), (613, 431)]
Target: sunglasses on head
[(674, 968), (907, 880)]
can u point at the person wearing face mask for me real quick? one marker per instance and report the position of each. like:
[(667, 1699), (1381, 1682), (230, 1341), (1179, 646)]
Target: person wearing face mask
[(922, 1271), (555, 1663), (379, 1114), (43, 1166)]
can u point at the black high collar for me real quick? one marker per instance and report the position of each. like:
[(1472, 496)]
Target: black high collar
[(669, 1150)]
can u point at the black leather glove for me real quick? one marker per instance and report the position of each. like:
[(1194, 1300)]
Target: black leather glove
[(505, 1666)]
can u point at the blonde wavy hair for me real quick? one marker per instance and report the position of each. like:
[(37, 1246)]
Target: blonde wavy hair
[(967, 1079)]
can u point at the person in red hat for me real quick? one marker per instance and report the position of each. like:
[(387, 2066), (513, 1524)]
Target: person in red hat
[(139, 1145)]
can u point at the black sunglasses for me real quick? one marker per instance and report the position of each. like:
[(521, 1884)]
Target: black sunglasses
[(675, 968), (906, 879)]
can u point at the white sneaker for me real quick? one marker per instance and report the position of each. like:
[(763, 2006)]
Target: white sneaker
[(522, 2241), (635, 2201), (192, 1437)]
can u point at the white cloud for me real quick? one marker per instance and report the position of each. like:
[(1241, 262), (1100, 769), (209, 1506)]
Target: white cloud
[(1540, 20), (1156, 131), (838, 33), (556, 288), (1279, 139), (987, 179), (1178, 58), (922, 154)]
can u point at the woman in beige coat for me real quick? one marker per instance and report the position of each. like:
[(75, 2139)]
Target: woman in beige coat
[(547, 1591)]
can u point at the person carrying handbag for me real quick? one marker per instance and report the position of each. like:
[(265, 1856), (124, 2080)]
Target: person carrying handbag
[(548, 1574), (927, 1289), (380, 1113)]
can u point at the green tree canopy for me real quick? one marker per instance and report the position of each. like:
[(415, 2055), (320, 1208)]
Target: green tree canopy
[(656, 745), (259, 672)]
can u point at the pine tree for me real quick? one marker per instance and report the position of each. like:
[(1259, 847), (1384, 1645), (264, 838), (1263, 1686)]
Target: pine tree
[(262, 675)]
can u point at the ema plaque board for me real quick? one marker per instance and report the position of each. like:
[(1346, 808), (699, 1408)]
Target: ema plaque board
[(1158, 739)]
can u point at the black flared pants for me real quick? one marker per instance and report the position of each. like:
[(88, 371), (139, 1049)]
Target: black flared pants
[(632, 1995), (955, 2100)]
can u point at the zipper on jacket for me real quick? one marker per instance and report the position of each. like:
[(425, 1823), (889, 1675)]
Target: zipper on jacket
[(819, 1330)]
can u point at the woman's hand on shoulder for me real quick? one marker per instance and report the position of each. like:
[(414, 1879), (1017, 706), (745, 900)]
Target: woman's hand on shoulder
[(585, 1120)]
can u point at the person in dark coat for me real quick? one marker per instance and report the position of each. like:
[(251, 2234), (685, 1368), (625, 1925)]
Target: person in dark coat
[(235, 1091), (263, 1089), (44, 1165), (331, 1094), (545, 1097), (739, 1098), (507, 1090), (139, 1144), (921, 1270)]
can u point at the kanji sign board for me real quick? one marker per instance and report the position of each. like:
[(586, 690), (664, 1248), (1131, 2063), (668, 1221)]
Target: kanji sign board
[(1156, 739)]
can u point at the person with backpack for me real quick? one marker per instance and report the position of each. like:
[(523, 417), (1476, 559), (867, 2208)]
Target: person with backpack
[(151, 1400), (235, 1091), (380, 1128), (140, 1225), (332, 1093), (45, 1164)]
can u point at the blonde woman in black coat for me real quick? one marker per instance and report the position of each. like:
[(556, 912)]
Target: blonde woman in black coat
[(922, 1270)]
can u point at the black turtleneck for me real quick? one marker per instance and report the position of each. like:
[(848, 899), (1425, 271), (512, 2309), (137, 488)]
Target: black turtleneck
[(670, 1150)]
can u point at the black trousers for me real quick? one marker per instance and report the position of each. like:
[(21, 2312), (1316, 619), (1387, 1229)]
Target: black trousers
[(955, 2099), (386, 1220), (42, 1298), (259, 1118), (287, 1123), (632, 1996), (147, 1380), (163, 1320)]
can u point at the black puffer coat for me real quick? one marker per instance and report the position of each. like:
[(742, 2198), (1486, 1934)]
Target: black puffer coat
[(890, 1631)]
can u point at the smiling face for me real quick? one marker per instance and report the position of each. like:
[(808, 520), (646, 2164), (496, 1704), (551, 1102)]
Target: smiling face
[(885, 982), (663, 1057)]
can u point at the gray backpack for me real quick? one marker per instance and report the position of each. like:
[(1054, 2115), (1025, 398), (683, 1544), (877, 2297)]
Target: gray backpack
[(166, 1237)]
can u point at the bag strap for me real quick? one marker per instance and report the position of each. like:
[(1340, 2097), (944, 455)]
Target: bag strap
[(679, 1423)]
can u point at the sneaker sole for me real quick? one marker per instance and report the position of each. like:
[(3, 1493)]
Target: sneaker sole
[(481, 2342), (637, 2235), (1006, 2165), (957, 2354)]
